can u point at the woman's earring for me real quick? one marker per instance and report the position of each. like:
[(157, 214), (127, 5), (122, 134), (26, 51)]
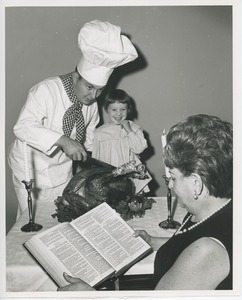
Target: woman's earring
[(195, 196)]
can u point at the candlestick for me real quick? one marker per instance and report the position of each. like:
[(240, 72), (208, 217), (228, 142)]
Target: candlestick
[(163, 143), (26, 162), (169, 223), (31, 226)]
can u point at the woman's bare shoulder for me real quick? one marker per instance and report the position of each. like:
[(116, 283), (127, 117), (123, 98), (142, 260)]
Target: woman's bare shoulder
[(202, 265)]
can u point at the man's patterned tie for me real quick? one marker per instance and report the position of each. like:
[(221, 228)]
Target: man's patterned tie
[(73, 115)]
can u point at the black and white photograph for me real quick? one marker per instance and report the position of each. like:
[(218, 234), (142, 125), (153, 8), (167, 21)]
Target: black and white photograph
[(121, 146)]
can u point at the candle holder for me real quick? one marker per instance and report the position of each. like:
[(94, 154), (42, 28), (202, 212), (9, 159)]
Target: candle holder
[(31, 226), (169, 223)]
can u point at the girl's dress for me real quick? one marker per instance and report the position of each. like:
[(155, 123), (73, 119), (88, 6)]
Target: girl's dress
[(113, 145)]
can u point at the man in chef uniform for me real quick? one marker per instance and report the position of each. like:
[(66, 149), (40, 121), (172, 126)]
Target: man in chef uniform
[(61, 113)]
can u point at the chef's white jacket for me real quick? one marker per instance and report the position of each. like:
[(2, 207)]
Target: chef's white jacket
[(40, 125)]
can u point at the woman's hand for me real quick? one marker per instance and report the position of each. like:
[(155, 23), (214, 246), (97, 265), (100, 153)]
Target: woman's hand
[(142, 233), (154, 242), (76, 284)]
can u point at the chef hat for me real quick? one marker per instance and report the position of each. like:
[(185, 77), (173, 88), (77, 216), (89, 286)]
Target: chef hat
[(103, 48)]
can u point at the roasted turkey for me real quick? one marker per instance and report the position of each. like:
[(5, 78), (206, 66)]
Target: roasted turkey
[(98, 182)]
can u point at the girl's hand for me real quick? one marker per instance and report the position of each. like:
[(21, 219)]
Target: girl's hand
[(126, 125), (142, 233), (76, 284)]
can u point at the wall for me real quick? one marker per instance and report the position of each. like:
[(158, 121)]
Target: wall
[(185, 66)]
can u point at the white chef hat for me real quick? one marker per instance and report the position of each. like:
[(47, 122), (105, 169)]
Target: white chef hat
[(103, 48)]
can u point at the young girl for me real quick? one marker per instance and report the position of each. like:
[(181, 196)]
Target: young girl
[(120, 140)]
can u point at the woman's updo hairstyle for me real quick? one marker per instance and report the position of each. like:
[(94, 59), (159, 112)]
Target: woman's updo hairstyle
[(203, 144)]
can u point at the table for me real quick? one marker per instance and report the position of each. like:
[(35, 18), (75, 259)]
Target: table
[(23, 273)]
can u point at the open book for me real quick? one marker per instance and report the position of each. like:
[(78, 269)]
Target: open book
[(94, 247)]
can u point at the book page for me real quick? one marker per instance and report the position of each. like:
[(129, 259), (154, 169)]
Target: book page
[(61, 248), (107, 232)]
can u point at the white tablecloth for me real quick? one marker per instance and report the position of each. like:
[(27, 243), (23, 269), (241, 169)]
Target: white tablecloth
[(25, 274)]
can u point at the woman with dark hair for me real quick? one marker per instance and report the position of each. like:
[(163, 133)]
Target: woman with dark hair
[(198, 256)]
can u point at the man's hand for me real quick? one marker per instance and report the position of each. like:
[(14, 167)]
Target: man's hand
[(75, 284), (72, 148)]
